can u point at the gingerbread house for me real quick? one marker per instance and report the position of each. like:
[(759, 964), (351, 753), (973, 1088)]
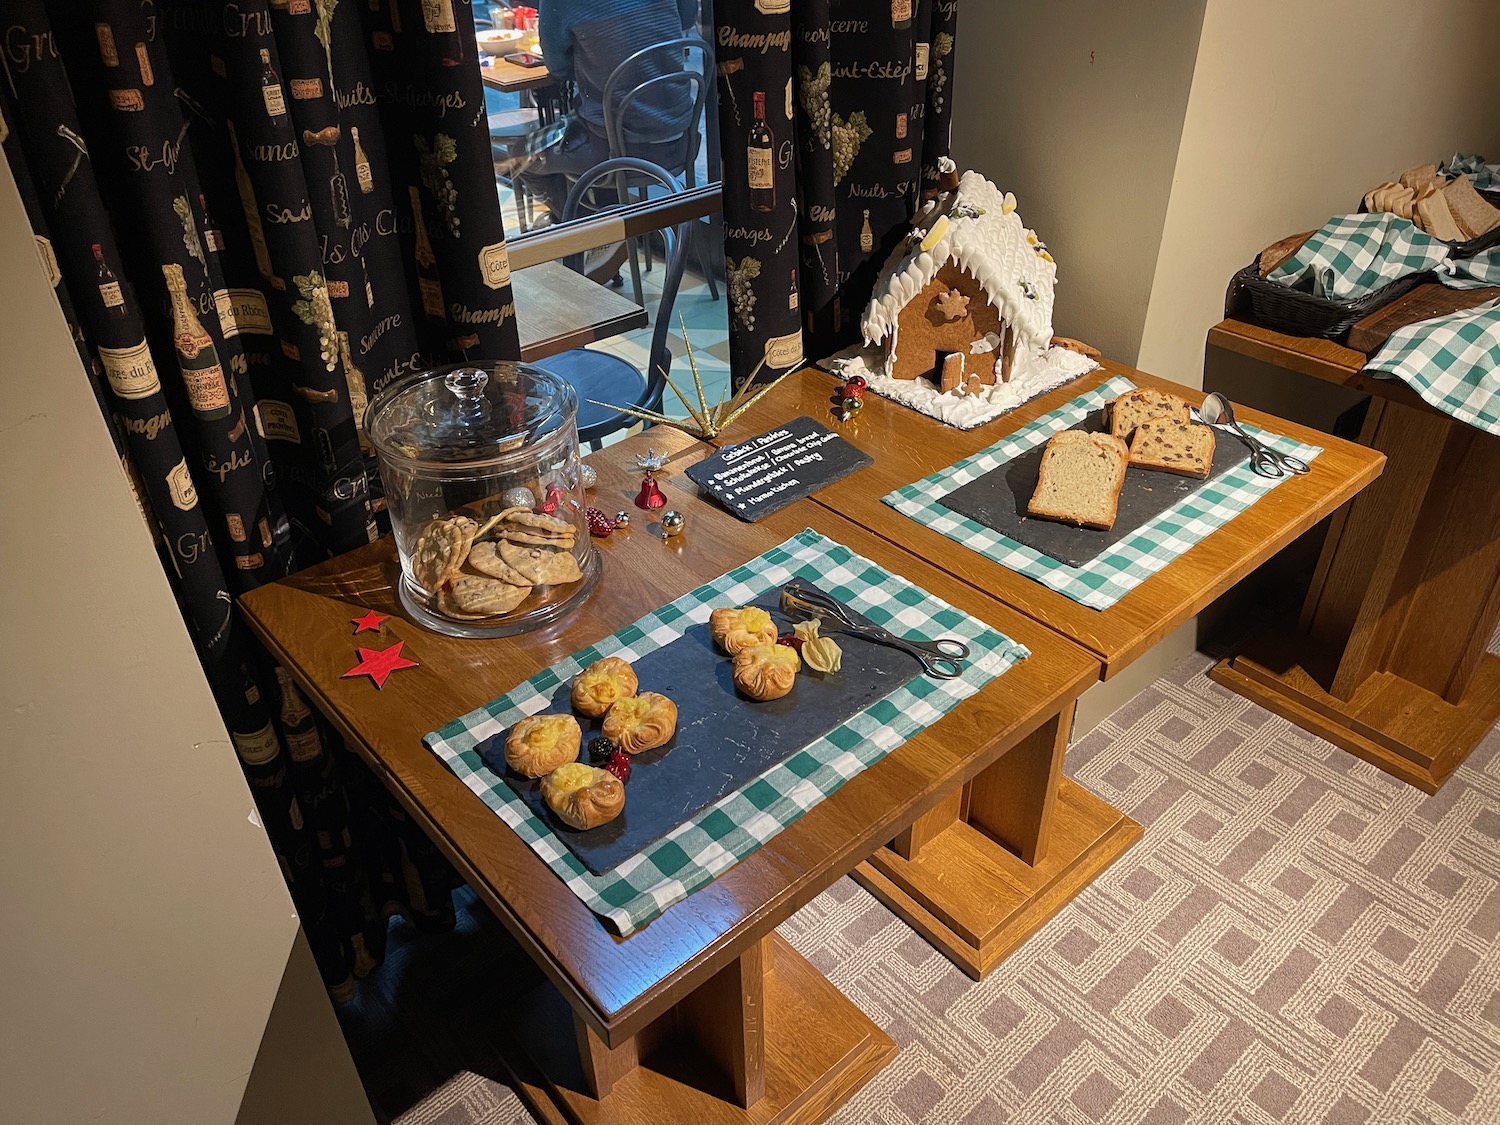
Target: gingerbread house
[(965, 293)]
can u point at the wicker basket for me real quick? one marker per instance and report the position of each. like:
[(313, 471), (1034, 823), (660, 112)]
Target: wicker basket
[(1270, 305)]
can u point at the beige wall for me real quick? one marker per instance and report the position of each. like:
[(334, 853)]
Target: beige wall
[(145, 928), (1296, 110), (1077, 107)]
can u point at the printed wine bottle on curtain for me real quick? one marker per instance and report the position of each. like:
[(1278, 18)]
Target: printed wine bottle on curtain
[(270, 89), (443, 27), (866, 235), (359, 396), (109, 286), (427, 276), (792, 296), (761, 169), (202, 374), (297, 724), (213, 237), (901, 13), (362, 174), (252, 213)]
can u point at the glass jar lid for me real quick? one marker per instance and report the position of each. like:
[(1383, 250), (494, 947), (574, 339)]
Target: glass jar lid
[(469, 414)]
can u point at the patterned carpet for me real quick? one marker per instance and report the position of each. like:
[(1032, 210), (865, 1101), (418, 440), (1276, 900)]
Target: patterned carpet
[(1297, 938)]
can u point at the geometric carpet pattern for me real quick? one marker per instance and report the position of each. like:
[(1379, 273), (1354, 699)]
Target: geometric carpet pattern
[(1298, 937)]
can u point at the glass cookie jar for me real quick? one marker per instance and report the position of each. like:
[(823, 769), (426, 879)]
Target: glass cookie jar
[(481, 473)]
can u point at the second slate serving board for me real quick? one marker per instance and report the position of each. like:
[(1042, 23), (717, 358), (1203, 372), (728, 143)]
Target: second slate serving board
[(723, 739), (998, 499)]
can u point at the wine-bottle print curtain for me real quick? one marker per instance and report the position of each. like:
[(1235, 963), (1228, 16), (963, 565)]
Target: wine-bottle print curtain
[(834, 114), (257, 215)]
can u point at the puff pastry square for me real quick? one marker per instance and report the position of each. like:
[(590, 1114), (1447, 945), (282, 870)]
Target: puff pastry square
[(734, 629), (601, 684), (641, 723), (538, 744)]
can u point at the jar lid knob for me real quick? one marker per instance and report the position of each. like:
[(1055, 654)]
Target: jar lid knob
[(467, 383)]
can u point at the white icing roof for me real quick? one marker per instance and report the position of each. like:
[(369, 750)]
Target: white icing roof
[(1002, 255)]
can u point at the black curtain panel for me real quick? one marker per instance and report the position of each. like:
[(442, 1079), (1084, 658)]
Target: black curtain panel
[(256, 215), (834, 114)]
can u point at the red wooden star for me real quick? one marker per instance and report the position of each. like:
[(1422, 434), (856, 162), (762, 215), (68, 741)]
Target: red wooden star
[(378, 664), (370, 621)]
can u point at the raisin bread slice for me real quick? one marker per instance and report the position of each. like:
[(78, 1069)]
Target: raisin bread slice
[(1134, 407), (1080, 479), (1173, 447)]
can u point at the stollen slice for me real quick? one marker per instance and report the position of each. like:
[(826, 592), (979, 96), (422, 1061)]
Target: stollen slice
[(1134, 407), (1173, 447), (1080, 479)]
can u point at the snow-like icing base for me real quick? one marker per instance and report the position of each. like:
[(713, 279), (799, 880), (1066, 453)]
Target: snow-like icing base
[(1032, 373)]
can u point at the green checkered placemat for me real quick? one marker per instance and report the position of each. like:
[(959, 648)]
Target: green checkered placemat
[(725, 833), (1452, 361), (1104, 580), (1351, 256)]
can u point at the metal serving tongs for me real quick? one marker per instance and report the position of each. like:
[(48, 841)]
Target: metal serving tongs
[(1264, 461), (939, 658)]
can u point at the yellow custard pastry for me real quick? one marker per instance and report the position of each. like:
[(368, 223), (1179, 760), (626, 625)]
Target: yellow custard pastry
[(538, 744), (734, 629), (642, 722), (766, 672), (583, 796), (601, 684)]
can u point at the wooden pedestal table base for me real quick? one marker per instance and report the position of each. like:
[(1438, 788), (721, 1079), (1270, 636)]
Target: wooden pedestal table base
[(986, 869), (767, 1040), (1389, 659)]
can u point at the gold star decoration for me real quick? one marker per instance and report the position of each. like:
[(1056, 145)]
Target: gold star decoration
[(952, 304)]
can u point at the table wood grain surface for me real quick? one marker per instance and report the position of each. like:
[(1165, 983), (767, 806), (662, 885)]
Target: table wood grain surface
[(508, 78), (908, 446), (618, 985), (558, 309)]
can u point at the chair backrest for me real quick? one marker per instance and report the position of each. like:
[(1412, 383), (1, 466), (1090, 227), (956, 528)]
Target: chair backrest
[(676, 239), (645, 94)]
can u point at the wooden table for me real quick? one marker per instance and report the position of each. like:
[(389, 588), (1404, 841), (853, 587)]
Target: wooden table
[(557, 309), (704, 1015), (1388, 659), (509, 78), (907, 446)]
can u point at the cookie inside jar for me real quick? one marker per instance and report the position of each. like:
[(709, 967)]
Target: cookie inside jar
[(482, 478)]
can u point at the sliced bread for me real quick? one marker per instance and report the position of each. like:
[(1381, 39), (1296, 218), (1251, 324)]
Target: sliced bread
[(1470, 209), (1173, 447), (1134, 407), (1434, 217), (1080, 479)]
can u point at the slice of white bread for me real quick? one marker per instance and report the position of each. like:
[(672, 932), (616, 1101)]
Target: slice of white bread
[(1173, 447), (1420, 175), (1470, 209), (1080, 479), (1134, 407), (1434, 217)]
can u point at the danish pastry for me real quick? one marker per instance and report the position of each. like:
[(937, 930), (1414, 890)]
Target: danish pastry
[(601, 684), (583, 796), (538, 744), (734, 629), (640, 723), (766, 672)]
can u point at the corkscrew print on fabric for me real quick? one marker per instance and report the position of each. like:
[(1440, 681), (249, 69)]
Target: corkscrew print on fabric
[(833, 115), (255, 215)]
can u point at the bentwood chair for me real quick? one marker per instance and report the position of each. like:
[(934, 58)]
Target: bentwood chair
[(598, 375)]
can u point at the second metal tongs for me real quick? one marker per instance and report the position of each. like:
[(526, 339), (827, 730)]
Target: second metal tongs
[(1264, 461), (939, 658)]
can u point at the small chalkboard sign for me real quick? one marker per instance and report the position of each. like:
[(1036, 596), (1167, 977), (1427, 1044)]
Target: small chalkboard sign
[(766, 473)]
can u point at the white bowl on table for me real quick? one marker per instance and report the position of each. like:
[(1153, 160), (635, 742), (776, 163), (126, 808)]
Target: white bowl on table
[(500, 41)]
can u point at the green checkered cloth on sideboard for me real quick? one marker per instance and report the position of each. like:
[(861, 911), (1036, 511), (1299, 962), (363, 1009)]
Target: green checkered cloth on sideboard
[(723, 834), (1473, 273), (1452, 361), (1104, 580), (1351, 256), (1485, 177)]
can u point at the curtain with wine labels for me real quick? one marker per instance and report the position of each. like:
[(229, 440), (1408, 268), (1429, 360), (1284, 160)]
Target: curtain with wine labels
[(257, 215), (834, 115)]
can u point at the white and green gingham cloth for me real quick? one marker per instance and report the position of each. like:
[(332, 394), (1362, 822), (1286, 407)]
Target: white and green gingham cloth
[(1104, 580), (1485, 177), (724, 833), (1351, 256), (1452, 361), (1473, 273)]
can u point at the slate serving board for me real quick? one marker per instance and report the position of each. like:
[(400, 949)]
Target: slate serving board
[(723, 739), (763, 474), (998, 499)]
